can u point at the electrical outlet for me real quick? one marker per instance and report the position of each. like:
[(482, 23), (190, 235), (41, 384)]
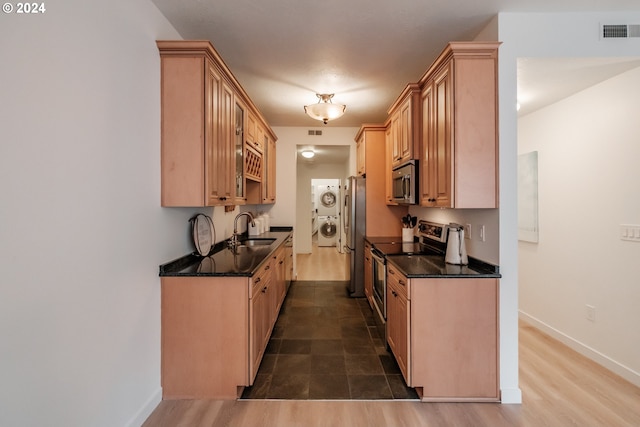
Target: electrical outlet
[(591, 313), (467, 231), (482, 234)]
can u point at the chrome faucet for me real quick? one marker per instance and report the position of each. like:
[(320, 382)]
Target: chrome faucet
[(233, 242)]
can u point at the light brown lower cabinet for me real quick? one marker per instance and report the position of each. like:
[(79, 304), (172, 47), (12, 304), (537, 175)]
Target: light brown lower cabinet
[(368, 273), (215, 330), (398, 310), (444, 335)]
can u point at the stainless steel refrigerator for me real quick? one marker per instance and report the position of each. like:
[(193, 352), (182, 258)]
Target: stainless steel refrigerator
[(354, 228)]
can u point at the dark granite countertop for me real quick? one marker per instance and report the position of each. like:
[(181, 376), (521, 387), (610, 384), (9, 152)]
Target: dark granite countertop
[(433, 266), (429, 262), (244, 261), (383, 239)]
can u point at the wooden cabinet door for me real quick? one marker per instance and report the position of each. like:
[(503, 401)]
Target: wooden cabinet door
[(260, 141), (212, 131), (268, 192), (406, 133), (251, 131), (388, 183), (238, 158), (437, 150), (279, 280), (368, 274), (396, 136), (398, 326), (221, 180), (260, 316), (360, 156), (426, 171), (441, 152), (257, 327)]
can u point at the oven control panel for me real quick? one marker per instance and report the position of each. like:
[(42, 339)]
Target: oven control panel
[(432, 231)]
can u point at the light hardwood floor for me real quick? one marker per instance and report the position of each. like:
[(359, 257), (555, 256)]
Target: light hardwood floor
[(560, 388), (323, 263)]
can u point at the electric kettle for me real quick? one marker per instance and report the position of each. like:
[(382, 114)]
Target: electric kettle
[(456, 250)]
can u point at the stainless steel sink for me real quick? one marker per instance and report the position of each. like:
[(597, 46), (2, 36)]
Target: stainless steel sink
[(257, 242)]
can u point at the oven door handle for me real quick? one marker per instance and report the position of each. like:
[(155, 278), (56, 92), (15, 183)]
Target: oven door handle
[(377, 255)]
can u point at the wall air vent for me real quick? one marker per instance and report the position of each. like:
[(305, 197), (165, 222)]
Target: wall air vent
[(620, 31), (315, 132)]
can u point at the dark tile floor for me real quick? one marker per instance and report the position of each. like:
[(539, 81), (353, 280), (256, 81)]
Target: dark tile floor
[(325, 346)]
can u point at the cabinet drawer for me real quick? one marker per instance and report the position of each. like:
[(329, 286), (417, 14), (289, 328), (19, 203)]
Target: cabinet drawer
[(398, 281), (261, 279)]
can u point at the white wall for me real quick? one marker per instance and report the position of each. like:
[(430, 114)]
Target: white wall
[(531, 35), (81, 230), (588, 180), (485, 250)]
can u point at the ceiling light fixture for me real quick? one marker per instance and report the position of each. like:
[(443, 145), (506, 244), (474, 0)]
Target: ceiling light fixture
[(324, 110), (307, 154)]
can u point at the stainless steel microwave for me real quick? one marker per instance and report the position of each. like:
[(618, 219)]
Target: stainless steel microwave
[(404, 181)]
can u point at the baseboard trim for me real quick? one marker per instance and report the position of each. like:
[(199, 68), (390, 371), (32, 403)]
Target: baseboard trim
[(143, 413), (588, 352), (511, 396)]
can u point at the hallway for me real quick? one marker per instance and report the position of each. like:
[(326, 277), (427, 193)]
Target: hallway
[(323, 263)]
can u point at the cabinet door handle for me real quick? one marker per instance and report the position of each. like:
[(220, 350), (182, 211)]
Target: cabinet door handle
[(281, 262), (264, 290), (394, 293), (392, 272), (267, 267), (257, 280), (402, 282)]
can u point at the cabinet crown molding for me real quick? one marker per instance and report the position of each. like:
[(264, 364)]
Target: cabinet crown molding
[(370, 127), (474, 49), (205, 47), (409, 90)]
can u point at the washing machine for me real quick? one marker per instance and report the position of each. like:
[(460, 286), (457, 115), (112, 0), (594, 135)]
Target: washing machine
[(327, 230), (328, 197)]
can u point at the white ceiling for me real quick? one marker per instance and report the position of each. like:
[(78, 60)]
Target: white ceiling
[(283, 52)]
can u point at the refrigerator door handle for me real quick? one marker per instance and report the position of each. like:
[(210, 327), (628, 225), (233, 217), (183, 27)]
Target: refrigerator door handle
[(347, 216)]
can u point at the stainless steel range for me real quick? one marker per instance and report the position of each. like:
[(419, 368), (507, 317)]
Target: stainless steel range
[(379, 278), (432, 238)]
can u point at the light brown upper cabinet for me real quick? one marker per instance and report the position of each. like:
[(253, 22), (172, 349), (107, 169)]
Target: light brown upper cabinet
[(381, 218), (204, 113), (388, 181), (360, 156), (405, 126), (459, 106)]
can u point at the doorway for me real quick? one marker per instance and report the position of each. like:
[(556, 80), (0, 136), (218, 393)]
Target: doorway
[(319, 194)]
